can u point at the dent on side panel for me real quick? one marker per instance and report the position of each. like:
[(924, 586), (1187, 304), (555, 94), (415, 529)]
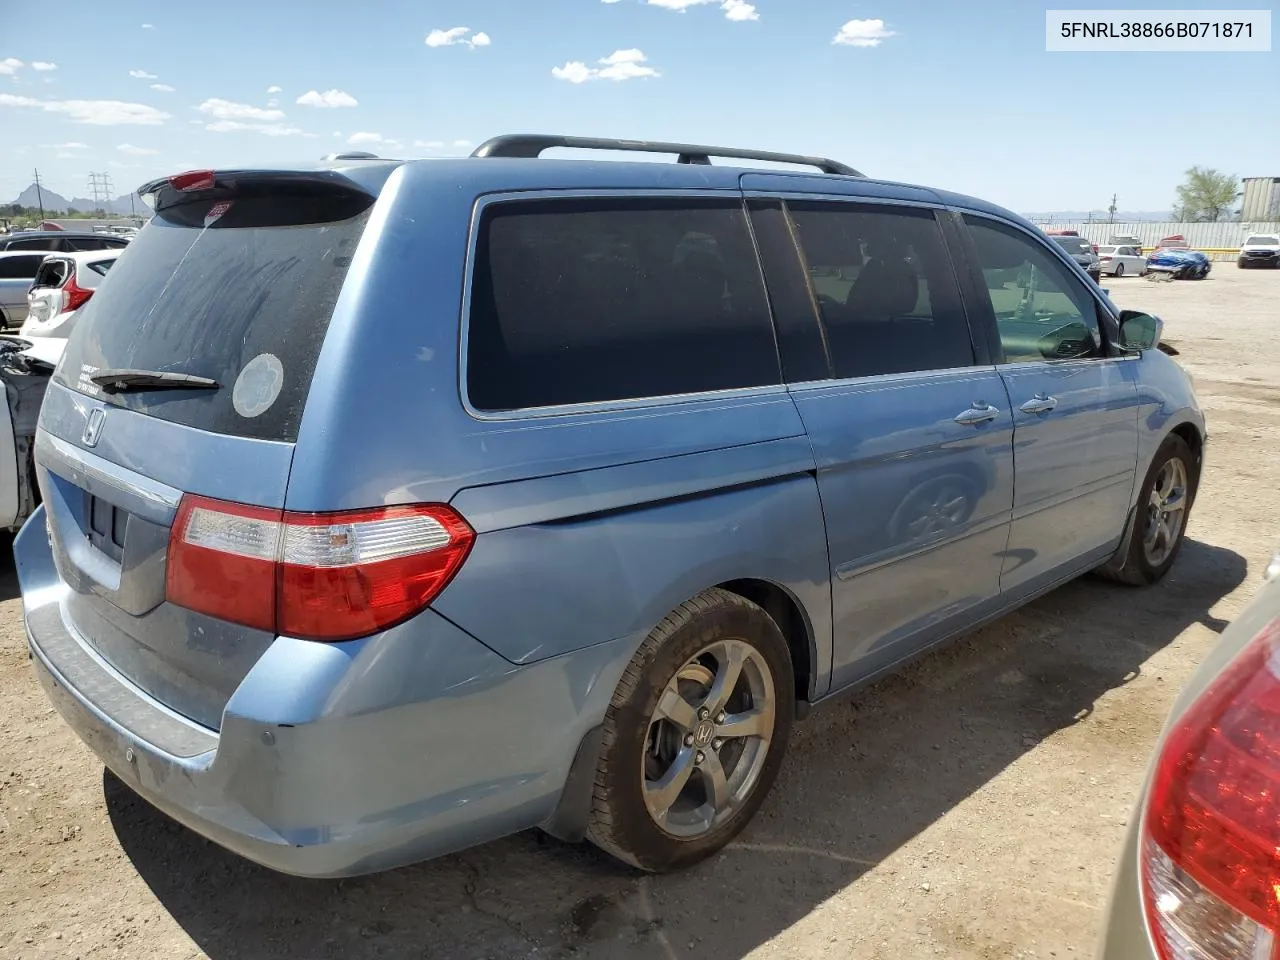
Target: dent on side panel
[(537, 591)]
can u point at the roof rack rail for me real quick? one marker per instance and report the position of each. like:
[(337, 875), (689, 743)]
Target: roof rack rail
[(530, 145)]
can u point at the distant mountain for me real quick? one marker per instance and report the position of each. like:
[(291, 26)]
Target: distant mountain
[(56, 201)]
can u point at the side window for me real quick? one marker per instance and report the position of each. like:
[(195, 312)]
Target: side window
[(35, 243), (885, 288), (580, 301), (82, 243), (1042, 311), (20, 268)]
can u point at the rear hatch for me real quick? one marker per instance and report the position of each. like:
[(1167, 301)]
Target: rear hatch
[(233, 282)]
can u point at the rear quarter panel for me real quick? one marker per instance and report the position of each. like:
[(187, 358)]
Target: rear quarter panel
[(591, 525)]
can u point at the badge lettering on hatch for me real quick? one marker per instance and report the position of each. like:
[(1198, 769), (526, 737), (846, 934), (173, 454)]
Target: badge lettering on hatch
[(93, 429)]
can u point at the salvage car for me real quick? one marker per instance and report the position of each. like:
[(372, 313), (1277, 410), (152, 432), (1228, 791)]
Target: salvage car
[(593, 579), (63, 284), (1182, 264), (1200, 866), (25, 368)]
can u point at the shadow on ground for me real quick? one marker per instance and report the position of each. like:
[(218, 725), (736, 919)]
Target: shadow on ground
[(865, 775)]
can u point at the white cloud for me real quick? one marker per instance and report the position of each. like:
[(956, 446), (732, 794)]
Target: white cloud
[(43, 65), (273, 102), (462, 143), (369, 139), (274, 89), (67, 156), (221, 109), (162, 87), (148, 26), (102, 113), (72, 145), (862, 33), (608, 1), (458, 35), (330, 98), (10, 65), (133, 151), (619, 65), (142, 75), (266, 129), (429, 144), (739, 10)]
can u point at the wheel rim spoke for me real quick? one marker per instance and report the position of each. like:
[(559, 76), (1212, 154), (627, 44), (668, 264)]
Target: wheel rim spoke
[(715, 782), (660, 794), (752, 723), (677, 709), (730, 657)]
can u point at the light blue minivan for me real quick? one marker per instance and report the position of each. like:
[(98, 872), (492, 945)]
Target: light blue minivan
[(392, 507)]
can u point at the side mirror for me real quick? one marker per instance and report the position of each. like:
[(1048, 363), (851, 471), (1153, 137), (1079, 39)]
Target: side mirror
[(1139, 331)]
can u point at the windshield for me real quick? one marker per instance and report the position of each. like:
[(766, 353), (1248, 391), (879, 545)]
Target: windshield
[(1262, 242), (239, 291), (1074, 245)]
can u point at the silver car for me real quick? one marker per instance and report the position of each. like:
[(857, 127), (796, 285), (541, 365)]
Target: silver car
[(17, 270), (1200, 873)]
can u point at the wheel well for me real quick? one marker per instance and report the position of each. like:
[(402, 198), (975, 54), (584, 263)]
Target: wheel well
[(1191, 435), (786, 613)]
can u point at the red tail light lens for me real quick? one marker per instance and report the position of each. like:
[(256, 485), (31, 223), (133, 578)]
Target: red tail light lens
[(313, 576), (1211, 850), (192, 180), (1104, 259), (74, 296)]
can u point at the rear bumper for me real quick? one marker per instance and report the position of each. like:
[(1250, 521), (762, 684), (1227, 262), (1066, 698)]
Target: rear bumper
[(335, 759)]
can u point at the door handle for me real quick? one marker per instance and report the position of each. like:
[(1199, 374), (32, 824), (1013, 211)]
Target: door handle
[(1038, 404), (976, 414)]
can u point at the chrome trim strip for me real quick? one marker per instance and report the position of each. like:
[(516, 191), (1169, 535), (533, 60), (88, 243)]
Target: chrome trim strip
[(105, 472)]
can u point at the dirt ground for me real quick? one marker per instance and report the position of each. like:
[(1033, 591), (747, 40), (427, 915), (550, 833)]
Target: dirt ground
[(971, 807)]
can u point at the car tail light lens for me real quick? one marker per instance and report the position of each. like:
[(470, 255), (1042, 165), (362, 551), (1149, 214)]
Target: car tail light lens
[(1104, 259), (1211, 834), (329, 576), (74, 296), (192, 180)]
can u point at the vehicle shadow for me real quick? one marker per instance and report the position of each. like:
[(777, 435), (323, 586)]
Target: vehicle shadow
[(864, 776)]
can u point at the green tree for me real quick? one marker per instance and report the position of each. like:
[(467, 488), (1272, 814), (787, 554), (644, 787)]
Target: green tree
[(1206, 195)]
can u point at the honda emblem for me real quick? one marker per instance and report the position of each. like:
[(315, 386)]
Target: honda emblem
[(93, 428)]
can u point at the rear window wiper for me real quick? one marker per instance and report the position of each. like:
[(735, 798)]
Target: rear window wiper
[(120, 381)]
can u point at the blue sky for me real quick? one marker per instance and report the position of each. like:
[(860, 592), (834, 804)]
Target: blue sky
[(956, 95)]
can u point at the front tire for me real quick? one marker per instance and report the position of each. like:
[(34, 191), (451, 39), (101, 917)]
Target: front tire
[(1119, 269), (695, 734), (1160, 522)]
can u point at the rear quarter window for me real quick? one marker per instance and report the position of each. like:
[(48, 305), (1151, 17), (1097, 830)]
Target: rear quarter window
[(584, 301), (209, 288)]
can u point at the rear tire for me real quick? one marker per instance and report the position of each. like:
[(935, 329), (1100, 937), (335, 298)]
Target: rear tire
[(1157, 536), (679, 776)]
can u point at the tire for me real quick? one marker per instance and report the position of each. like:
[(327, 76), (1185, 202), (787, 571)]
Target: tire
[(1119, 269), (1138, 566), (1240, 265), (640, 746)]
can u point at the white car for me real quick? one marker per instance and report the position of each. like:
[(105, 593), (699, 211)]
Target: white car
[(25, 368), (62, 285), (1260, 250), (1119, 260)]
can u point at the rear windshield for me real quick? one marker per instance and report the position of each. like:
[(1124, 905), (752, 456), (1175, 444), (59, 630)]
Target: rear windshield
[(240, 291), (1074, 244), (1107, 250)]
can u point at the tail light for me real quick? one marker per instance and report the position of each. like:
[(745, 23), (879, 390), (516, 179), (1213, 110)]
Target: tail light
[(1104, 259), (74, 296), (1211, 834), (316, 576)]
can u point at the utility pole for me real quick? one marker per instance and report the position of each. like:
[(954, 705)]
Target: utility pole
[(39, 197), (1111, 210)]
